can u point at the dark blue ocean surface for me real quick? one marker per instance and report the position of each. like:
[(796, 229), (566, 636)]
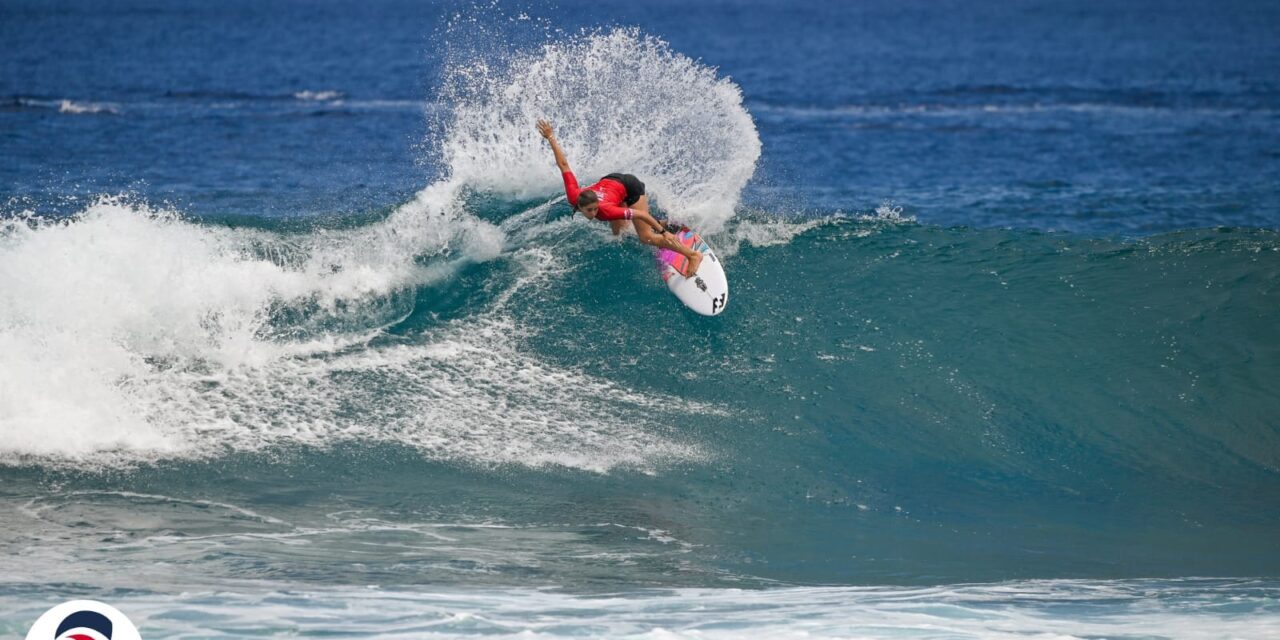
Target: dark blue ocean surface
[(297, 337), (1095, 117)]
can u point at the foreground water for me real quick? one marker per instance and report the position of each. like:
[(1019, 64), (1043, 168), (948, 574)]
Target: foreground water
[(296, 345), (1114, 609)]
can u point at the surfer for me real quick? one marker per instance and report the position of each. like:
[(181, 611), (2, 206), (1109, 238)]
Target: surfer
[(617, 198)]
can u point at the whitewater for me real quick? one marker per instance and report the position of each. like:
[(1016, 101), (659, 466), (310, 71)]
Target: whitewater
[(231, 340)]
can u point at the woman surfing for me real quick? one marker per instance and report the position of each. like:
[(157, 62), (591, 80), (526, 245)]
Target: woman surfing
[(616, 198)]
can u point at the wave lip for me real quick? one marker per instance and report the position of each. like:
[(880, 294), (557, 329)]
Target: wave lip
[(329, 95), (943, 110), (73, 107), (64, 105), (307, 101)]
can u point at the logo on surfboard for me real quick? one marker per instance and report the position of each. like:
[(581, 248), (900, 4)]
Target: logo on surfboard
[(717, 303)]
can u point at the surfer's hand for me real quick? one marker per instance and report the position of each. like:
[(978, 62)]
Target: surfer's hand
[(545, 129)]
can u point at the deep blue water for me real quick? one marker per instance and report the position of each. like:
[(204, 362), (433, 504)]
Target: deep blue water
[(298, 339), (1140, 117)]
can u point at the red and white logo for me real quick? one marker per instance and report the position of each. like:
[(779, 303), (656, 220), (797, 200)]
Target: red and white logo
[(83, 620)]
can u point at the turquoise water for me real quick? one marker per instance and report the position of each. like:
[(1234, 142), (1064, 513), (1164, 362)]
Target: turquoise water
[(961, 418), (296, 347)]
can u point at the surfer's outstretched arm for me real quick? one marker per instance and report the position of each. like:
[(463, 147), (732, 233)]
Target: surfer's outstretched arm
[(571, 188), (547, 132)]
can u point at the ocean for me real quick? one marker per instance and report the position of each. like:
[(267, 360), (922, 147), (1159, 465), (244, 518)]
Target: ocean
[(299, 337)]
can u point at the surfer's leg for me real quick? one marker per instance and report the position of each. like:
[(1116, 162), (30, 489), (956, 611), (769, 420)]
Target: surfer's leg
[(668, 241), (695, 260), (650, 237), (665, 240)]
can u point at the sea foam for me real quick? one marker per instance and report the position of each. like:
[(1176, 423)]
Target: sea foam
[(620, 101), (133, 334)]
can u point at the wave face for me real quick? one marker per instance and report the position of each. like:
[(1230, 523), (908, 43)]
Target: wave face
[(880, 386)]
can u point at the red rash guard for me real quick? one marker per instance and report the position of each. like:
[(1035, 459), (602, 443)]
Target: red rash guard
[(611, 192)]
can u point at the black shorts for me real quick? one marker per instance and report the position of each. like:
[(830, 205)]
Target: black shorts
[(634, 187)]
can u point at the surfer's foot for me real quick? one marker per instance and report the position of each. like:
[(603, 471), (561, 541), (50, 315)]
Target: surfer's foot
[(691, 269)]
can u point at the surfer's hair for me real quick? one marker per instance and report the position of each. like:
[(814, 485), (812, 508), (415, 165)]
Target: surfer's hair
[(587, 197)]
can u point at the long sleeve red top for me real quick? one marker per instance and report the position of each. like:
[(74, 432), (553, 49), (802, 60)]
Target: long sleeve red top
[(612, 196)]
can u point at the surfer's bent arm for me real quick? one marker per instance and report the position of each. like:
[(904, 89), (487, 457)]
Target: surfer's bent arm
[(608, 212)]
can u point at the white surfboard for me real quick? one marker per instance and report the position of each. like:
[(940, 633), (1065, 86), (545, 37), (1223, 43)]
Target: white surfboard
[(708, 291)]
